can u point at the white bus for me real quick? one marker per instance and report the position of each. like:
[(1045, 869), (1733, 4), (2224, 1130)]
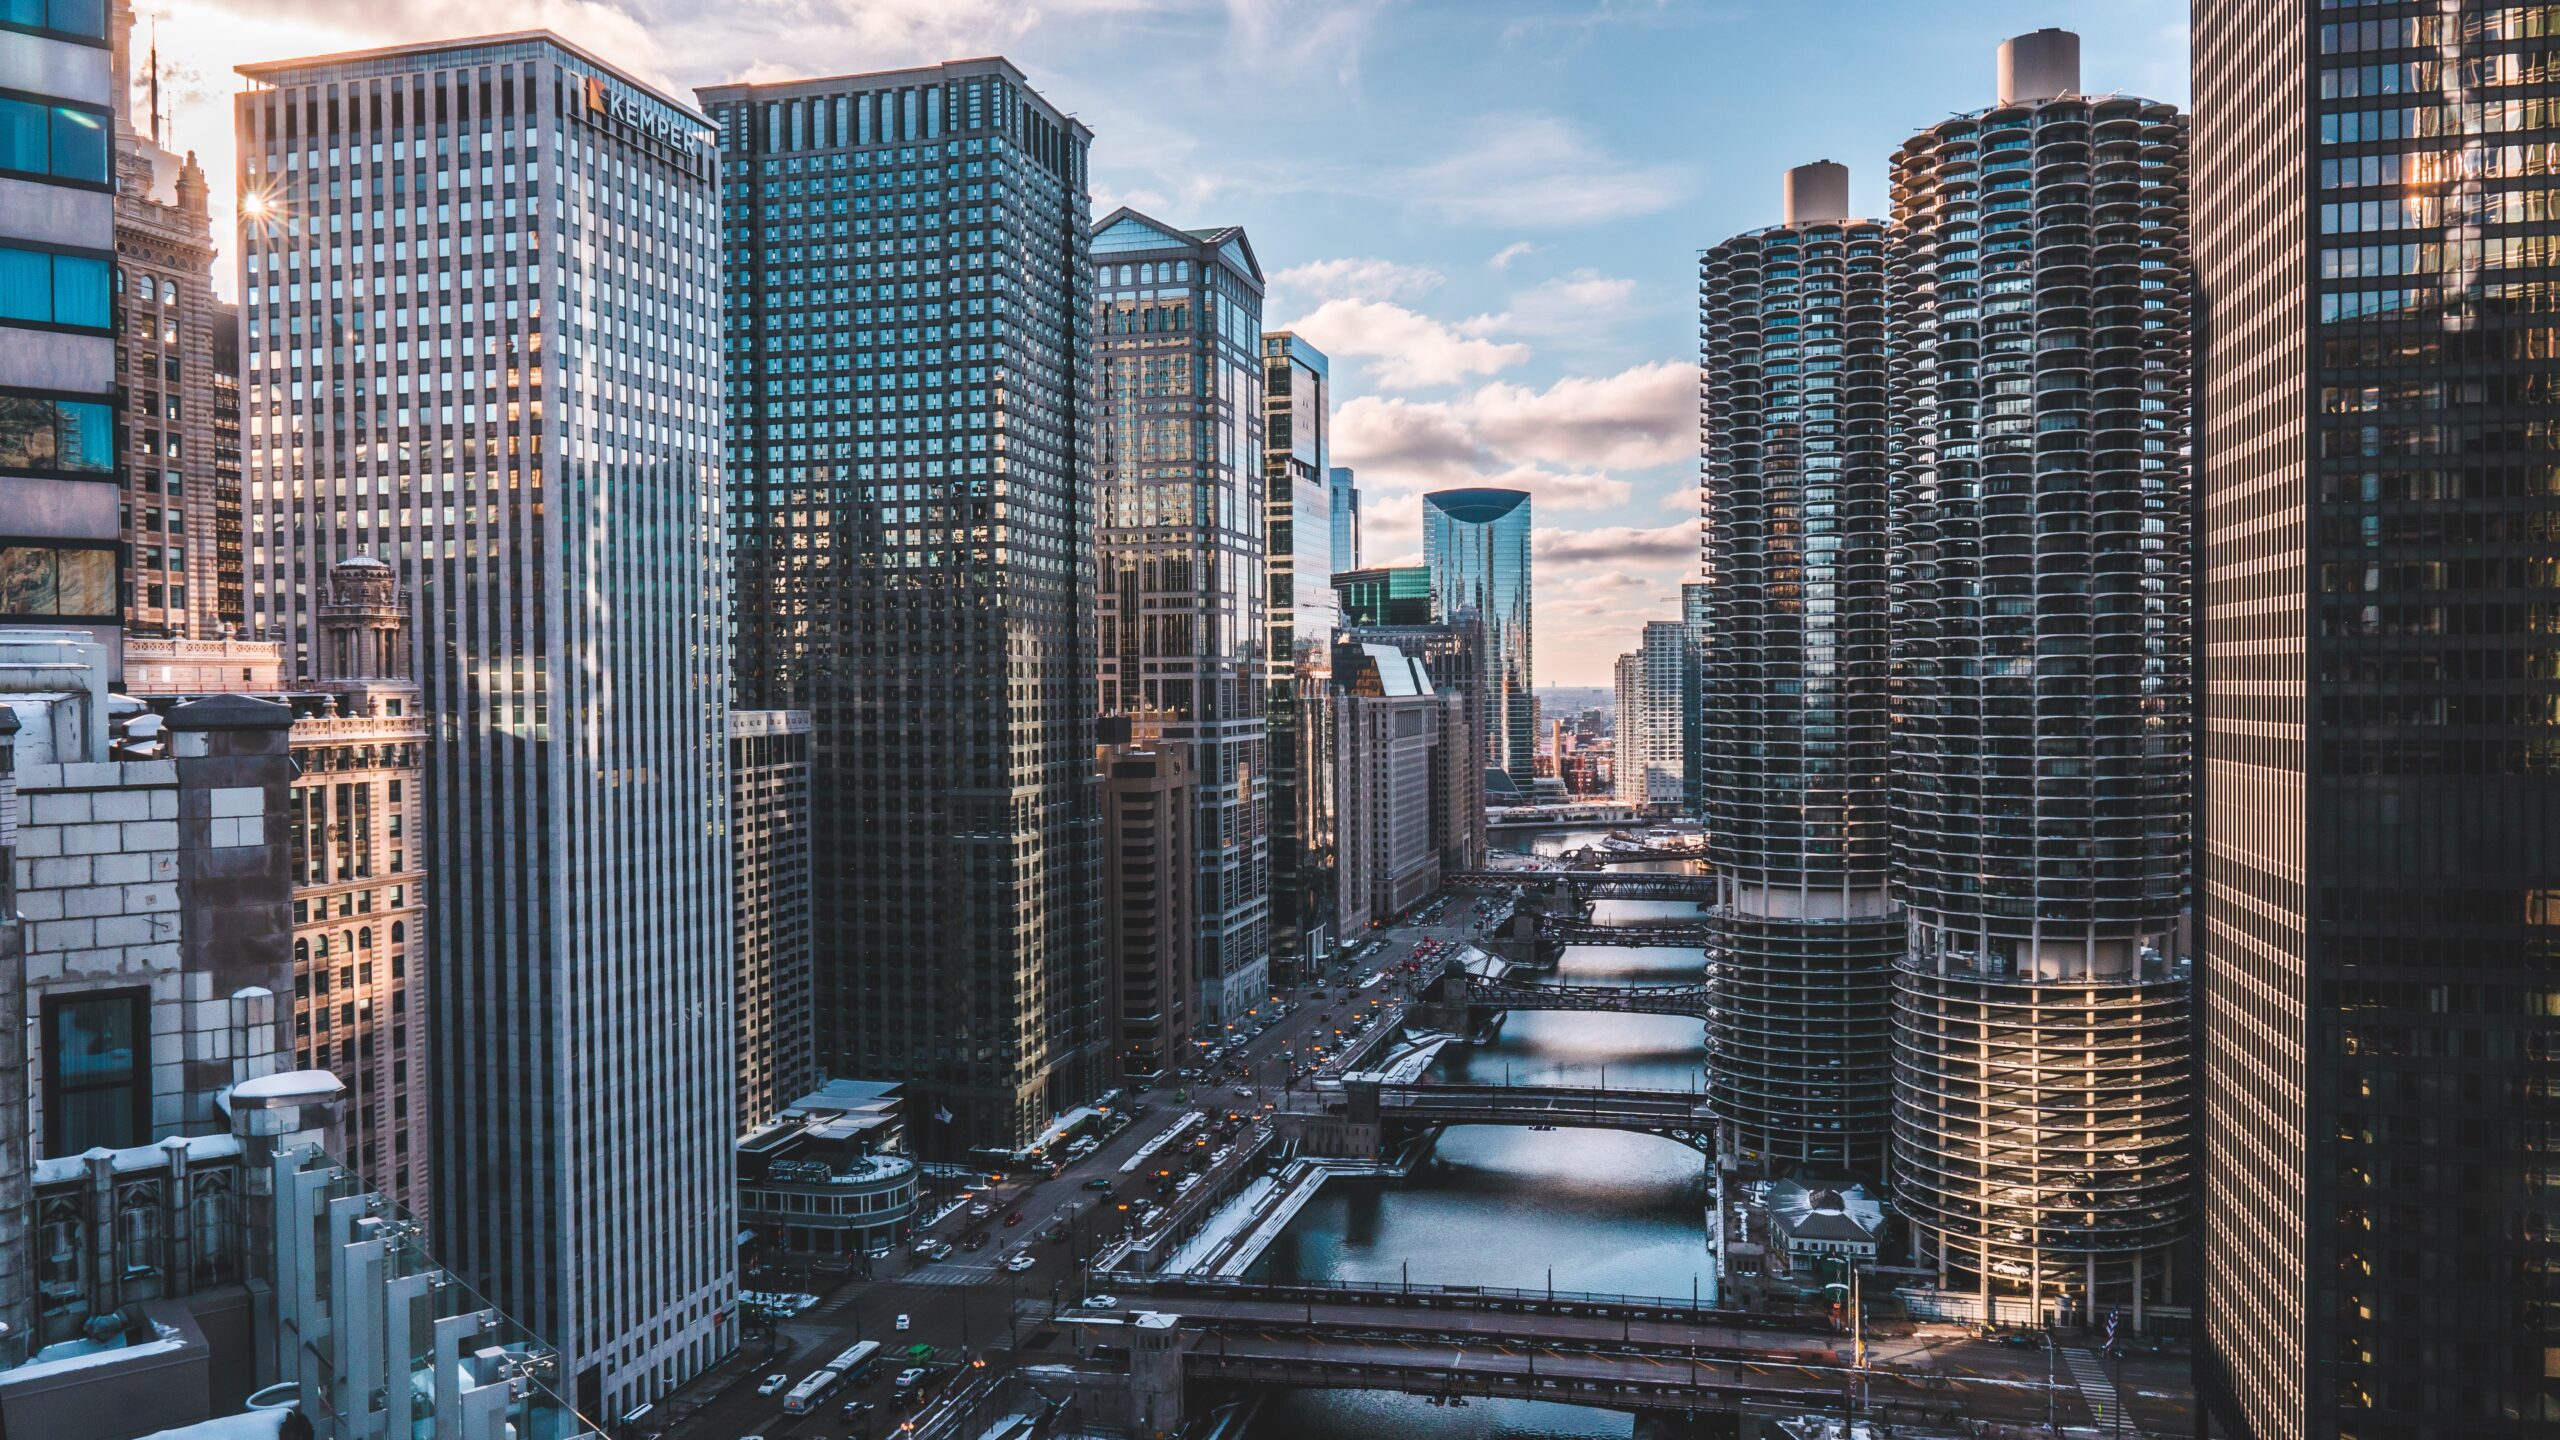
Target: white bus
[(856, 1362), (812, 1392)]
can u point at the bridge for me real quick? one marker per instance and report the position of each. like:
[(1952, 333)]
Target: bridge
[(1672, 1114), (1585, 884), (1615, 999), (1559, 931), (1652, 1356)]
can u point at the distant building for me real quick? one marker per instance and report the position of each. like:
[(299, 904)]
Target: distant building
[(1453, 661), (1345, 504), (1697, 613), (1409, 811), (1653, 749), (357, 856), (1476, 544), (1297, 399), (1147, 814), (769, 824), (1181, 553), (829, 1174), (178, 567), (1628, 673), (1391, 595)]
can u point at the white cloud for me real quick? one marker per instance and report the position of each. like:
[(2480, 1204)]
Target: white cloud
[(1542, 172), (1617, 546), (1401, 349), (1516, 250), (1634, 419), (1574, 306), (1357, 278)]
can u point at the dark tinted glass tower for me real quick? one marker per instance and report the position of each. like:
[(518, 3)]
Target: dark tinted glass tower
[(1179, 582), (1794, 743), (2039, 298), (1297, 428), (2381, 906), (911, 472), (1476, 545)]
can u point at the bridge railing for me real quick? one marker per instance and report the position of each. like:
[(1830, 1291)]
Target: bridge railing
[(1494, 1298)]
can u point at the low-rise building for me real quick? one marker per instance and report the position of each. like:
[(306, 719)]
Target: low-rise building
[(831, 1175)]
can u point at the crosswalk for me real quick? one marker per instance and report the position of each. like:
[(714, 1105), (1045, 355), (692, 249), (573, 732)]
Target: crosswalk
[(2090, 1374), (950, 1273)]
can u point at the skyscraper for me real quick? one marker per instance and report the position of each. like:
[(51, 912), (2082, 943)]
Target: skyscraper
[(1343, 497), (2381, 829), (2039, 406), (58, 453), (1698, 613), (1388, 595), (1179, 582), (179, 561), (769, 851), (1650, 739), (480, 295), (912, 462), (1793, 754), (1476, 545), (1297, 428)]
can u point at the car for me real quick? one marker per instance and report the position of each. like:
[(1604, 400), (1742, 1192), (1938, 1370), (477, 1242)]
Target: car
[(1098, 1183), (910, 1378), (2023, 1341), (1102, 1302), (1013, 1219), (981, 1210), (905, 1323), (1243, 1092), (774, 1384), (1022, 1260), (975, 1241), (856, 1409), (1139, 1112)]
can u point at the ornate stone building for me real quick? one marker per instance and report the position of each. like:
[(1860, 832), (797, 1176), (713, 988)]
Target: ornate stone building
[(352, 821), (180, 568)]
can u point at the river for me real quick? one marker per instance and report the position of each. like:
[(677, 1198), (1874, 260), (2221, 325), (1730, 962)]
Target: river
[(1578, 1209)]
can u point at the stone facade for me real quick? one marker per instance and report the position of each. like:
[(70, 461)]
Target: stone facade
[(354, 857), (165, 342)]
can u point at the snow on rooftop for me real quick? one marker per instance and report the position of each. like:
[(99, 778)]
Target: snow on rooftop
[(290, 1085), (62, 1169)]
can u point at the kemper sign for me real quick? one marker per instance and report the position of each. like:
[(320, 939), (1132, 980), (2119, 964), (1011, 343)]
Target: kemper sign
[(630, 112)]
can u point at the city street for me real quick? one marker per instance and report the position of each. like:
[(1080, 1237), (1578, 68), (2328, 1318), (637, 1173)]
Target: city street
[(969, 1305)]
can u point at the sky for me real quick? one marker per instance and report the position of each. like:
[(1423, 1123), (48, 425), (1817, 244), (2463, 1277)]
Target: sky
[(1486, 212)]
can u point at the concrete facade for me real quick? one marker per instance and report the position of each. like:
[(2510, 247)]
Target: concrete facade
[(769, 849), (1147, 815)]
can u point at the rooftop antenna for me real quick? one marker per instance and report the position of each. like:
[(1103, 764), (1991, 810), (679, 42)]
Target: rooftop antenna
[(158, 137)]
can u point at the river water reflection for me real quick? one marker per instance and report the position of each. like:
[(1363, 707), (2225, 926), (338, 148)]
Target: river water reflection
[(1581, 1209)]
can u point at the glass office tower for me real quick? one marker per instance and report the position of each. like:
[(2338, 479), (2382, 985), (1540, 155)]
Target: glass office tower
[(2381, 891), (1345, 500), (1475, 543), (911, 473), (1796, 685), (2039, 410), (480, 295), (1180, 560), (60, 560), (1297, 428)]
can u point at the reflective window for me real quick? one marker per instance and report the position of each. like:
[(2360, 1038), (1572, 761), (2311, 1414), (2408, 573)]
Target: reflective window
[(86, 18), (43, 434), (48, 289), (97, 1089), (62, 582)]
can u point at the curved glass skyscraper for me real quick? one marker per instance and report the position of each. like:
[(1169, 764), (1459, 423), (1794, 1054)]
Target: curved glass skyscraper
[(1792, 367), (1475, 543), (2040, 330)]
